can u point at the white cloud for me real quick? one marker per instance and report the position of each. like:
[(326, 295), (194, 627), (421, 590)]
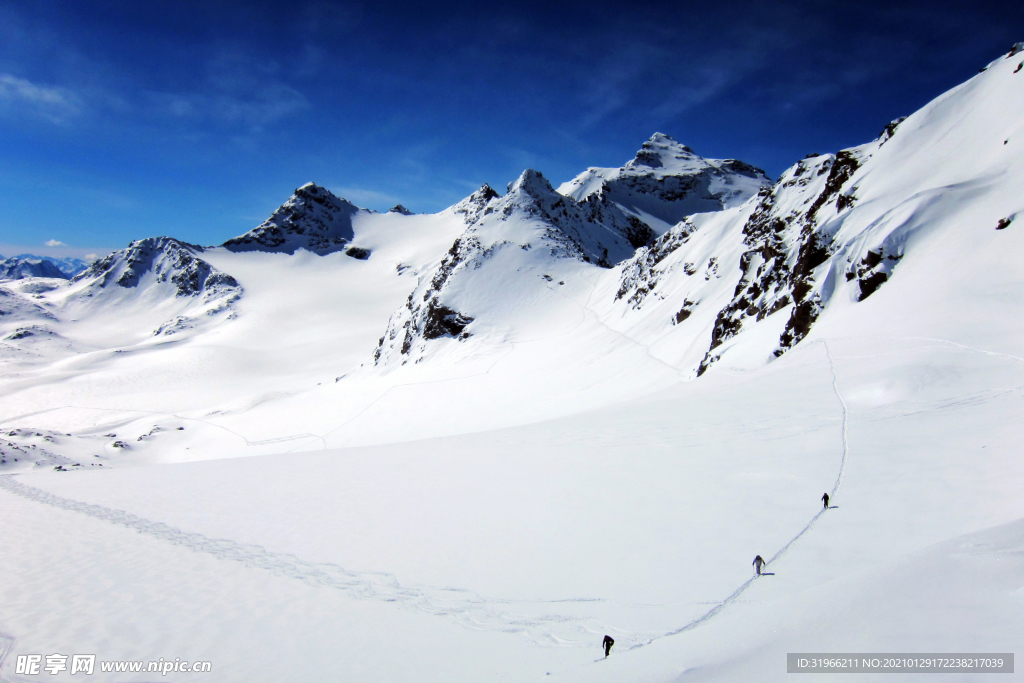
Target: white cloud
[(19, 95), (91, 257), (54, 243)]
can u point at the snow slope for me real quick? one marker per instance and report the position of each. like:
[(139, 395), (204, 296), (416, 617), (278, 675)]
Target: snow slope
[(578, 439)]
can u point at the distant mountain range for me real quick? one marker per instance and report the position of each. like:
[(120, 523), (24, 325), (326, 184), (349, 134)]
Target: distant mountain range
[(31, 265)]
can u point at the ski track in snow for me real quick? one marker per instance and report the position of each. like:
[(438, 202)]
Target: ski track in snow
[(846, 441), (597, 318), (714, 611), (968, 348), (466, 608)]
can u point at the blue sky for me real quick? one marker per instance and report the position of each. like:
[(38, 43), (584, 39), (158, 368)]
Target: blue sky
[(122, 120)]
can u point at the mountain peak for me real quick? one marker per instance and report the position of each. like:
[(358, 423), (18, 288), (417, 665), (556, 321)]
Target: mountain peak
[(532, 183), (472, 206), (313, 218), (668, 181), (662, 151)]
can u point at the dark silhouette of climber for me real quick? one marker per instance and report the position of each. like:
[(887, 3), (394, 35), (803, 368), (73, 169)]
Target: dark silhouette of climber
[(825, 498), (608, 642), (758, 563)]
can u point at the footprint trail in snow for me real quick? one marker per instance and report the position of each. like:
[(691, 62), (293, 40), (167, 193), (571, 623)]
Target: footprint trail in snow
[(464, 607)]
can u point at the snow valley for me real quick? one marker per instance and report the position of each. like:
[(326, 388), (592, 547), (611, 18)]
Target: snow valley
[(468, 445)]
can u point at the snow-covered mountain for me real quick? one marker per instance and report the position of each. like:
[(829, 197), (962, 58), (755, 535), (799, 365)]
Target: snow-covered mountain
[(154, 288), (666, 182), (312, 219), (165, 260), (18, 268)]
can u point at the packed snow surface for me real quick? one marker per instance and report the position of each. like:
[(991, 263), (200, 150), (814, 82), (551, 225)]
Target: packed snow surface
[(466, 446)]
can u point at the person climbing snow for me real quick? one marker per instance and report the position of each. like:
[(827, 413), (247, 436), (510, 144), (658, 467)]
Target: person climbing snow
[(758, 563), (608, 642), (825, 498)]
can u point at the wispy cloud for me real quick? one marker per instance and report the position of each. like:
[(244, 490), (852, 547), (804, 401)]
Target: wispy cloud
[(255, 110), (54, 243), (237, 90), (22, 96)]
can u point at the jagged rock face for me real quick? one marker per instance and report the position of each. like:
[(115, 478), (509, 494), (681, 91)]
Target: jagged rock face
[(666, 182), (641, 274), (18, 269), (473, 207), (398, 208), (835, 228), (170, 261), (163, 269), (788, 238), (587, 231), (313, 219), (423, 317)]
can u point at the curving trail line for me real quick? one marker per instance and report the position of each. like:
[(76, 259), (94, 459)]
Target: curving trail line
[(782, 551), (465, 607), (842, 402)]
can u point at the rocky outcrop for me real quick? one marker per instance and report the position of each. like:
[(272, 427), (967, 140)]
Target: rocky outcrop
[(786, 242)]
